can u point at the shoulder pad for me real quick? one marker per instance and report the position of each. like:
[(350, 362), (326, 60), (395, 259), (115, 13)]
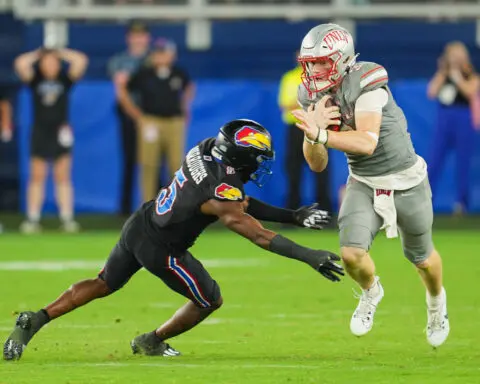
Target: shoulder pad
[(369, 76), (363, 77)]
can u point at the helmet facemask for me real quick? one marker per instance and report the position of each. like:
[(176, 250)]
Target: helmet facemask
[(264, 171), (319, 81), (323, 81)]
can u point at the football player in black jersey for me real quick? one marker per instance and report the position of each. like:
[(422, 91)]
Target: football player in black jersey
[(208, 187)]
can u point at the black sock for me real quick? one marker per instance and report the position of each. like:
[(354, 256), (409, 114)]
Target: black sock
[(39, 320), (156, 337), (44, 318)]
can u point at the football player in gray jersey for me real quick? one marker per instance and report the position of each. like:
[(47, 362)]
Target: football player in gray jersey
[(347, 105)]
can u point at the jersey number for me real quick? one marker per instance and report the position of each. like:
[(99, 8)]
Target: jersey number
[(166, 197)]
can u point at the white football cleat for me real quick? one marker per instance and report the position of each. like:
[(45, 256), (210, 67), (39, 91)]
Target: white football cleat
[(438, 325), (29, 227), (362, 319), (70, 226)]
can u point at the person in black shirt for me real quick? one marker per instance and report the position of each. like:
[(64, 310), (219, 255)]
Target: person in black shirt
[(207, 187), (455, 85), (165, 92), (52, 136)]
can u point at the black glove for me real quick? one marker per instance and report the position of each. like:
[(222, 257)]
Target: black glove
[(311, 217), (323, 262)]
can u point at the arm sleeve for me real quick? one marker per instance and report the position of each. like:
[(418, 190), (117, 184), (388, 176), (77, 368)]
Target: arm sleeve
[(372, 101), (285, 247), (262, 211)]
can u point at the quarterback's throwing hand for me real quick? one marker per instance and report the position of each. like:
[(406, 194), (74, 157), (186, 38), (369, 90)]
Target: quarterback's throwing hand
[(317, 117), (311, 217)]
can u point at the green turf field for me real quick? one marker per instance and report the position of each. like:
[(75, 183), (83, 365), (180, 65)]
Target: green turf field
[(281, 322)]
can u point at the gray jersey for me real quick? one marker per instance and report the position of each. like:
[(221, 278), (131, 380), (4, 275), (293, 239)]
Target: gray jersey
[(394, 152)]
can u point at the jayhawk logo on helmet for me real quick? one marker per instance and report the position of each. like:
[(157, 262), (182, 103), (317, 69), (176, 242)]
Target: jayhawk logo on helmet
[(225, 191), (250, 137)]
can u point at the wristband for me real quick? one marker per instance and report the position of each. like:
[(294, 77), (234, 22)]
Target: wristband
[(322, 137)]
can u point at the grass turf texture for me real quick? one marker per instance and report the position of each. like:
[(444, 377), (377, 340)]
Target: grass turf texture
[(281, 321)]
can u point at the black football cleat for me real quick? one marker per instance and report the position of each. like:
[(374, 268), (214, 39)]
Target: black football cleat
[(26, 325), (148, 344)]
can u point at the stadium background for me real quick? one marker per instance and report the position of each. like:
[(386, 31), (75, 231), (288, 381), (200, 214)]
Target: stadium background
[(236, 77), (281, 322)]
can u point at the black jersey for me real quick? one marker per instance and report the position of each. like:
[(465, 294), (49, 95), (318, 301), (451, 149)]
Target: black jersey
[(175, 217), (50, 99)]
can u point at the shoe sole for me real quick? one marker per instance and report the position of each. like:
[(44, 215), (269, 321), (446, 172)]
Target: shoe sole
[(12, 350)]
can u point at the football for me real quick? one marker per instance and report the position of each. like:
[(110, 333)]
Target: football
[(336, 128), (342, 127)]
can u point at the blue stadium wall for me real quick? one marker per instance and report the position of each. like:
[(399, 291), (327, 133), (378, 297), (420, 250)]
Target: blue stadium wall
[(265, 49), (97, 153), (238, 77)]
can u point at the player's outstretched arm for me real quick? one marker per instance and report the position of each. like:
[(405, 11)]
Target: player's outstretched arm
[(233, 216), (307, 216)]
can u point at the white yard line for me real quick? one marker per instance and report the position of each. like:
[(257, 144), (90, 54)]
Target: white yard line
[(173, 364), (59, 265)]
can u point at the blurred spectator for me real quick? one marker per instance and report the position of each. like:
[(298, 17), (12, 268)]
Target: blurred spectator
[(120, 67), (6, 126), (52, 136), (456, 86), (295, 161), (165, 94)]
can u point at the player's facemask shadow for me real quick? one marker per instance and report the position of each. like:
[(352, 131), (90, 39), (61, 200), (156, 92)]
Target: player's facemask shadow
[(264, 171)]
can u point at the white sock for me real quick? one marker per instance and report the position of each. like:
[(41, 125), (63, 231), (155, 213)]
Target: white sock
[(374, 290), (66, 217), (34, 217), (435, 301)]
